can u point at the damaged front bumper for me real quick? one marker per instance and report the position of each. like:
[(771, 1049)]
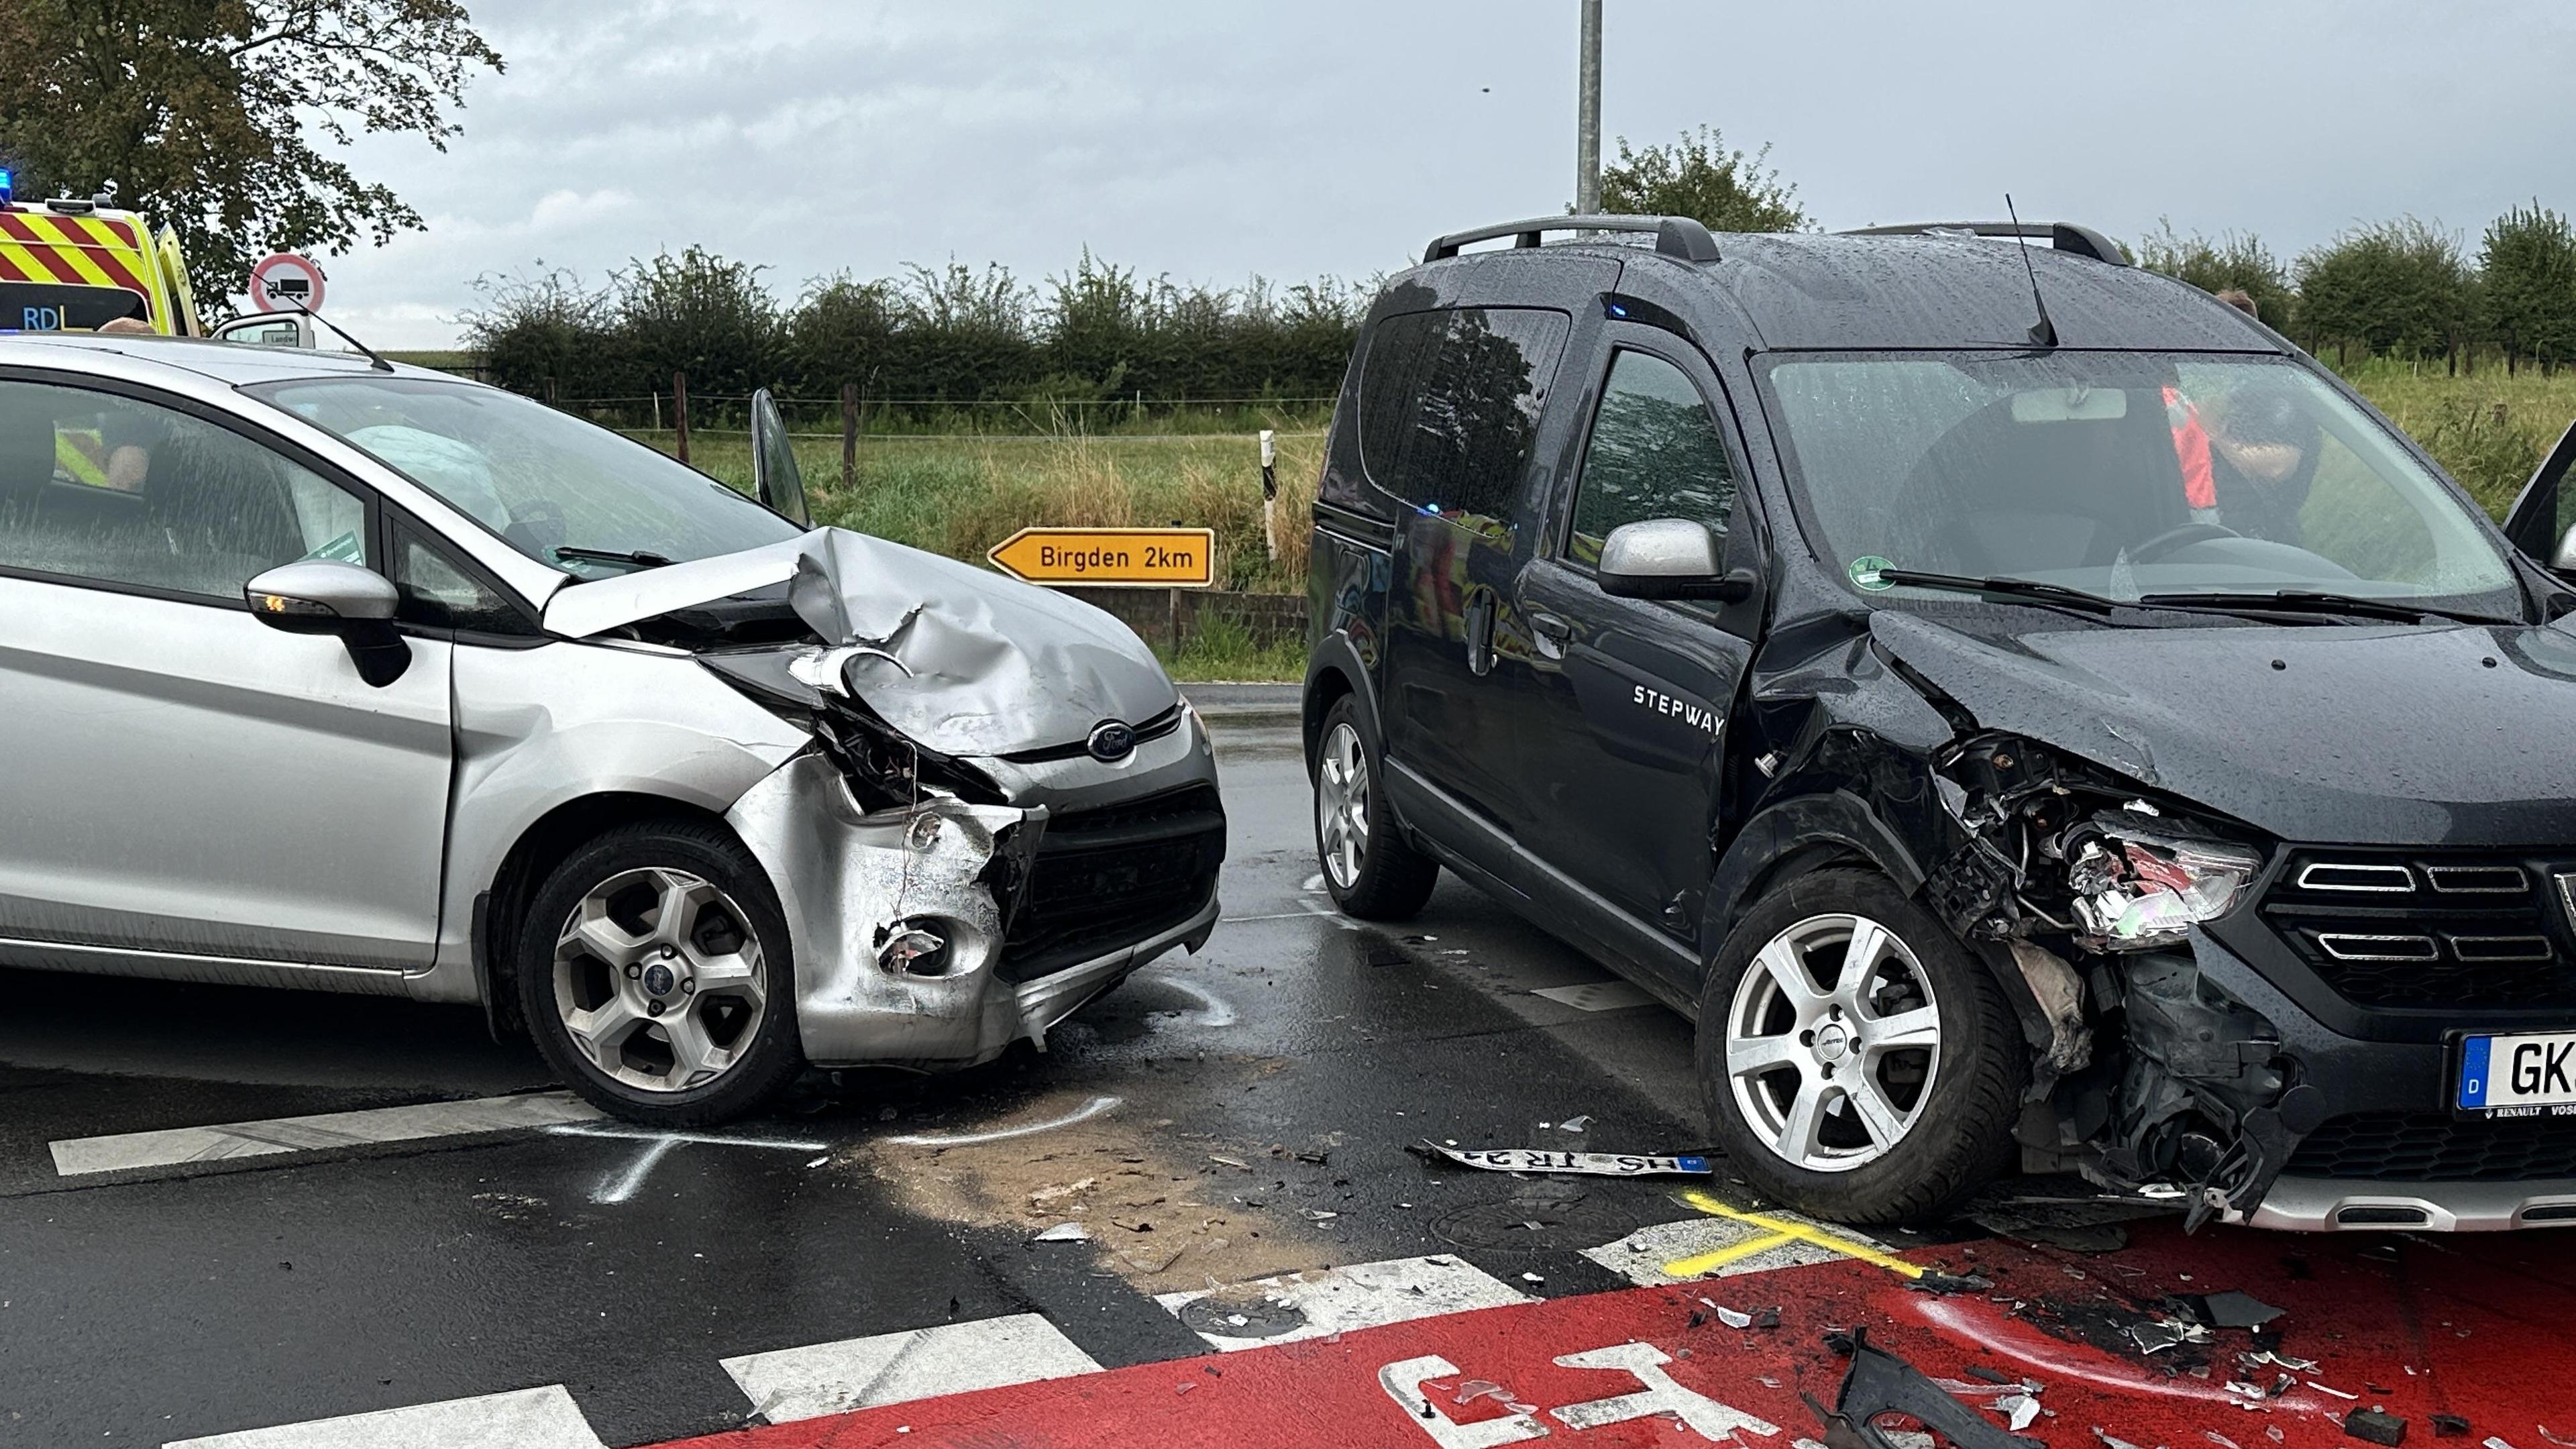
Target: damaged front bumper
[(899, 920), (2327, 1078)]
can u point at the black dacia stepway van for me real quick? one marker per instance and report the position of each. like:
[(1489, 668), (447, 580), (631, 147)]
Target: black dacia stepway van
[(2024, 710)]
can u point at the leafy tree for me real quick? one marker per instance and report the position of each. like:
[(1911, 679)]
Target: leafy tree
[(844, 331), (194, 111), (2398, 287), (967, 335), (700, 314), (2235, 259), (1698, 177), (2527, 267), (545, 335)]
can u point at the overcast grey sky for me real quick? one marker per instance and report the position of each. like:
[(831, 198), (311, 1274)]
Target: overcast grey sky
[(1214, 140)]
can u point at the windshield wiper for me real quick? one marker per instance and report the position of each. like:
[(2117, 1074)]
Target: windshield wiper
[(633, 558), (2315, 601), (2025, 590)]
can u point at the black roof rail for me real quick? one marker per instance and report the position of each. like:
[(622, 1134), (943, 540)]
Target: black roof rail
[(1675, 236), (2064, 236)]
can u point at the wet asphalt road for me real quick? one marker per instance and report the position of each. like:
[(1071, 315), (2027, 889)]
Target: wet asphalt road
[(1264, 1094)]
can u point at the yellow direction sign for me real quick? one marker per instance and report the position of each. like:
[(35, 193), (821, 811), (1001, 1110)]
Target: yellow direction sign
[(1161, 558)]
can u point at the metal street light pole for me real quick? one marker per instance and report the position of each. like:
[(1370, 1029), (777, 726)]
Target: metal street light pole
[(1587, 115)]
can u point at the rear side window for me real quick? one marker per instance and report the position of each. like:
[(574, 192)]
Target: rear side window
[(1450, 402)]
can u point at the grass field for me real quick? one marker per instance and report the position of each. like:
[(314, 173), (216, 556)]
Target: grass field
[(960, 495)]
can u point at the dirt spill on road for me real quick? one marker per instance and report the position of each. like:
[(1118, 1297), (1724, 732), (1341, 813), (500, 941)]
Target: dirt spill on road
[(1165, 1211)]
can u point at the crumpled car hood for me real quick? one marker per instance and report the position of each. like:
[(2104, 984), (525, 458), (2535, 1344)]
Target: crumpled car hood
[(960, 659), (2363, 735)]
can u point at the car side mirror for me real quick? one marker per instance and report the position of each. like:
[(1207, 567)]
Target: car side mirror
[(324, 596), (1670, 558), (774, 475), (2564, 560), (320, 596)]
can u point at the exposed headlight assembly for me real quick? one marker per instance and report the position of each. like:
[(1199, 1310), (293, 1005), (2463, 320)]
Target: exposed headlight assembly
[(2138, 886)]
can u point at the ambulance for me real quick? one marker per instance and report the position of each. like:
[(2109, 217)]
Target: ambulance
[(75, 266)]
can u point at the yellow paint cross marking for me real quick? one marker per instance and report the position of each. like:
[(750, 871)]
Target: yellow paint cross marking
[(1779, 1234)]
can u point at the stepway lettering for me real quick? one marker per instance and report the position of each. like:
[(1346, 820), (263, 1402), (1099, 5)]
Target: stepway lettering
[(1698, 717)]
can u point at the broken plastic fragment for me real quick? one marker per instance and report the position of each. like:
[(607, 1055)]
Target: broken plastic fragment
[(2163, 1334), (1879, 1382), (2020, 1409), (1574, 1124), (1731, 1318), (1063, 1233), (2232, 1309), (2450, 1426)]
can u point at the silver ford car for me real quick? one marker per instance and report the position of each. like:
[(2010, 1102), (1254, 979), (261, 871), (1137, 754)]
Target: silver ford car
[(326, 673)]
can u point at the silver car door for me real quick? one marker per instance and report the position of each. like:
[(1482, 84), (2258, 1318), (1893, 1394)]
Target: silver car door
[(186, 786)]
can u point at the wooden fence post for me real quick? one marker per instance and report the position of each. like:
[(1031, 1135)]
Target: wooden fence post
[(680, 410), (849, 435)]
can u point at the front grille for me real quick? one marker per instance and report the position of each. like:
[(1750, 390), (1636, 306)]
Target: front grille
[(2437, 1147), (2477, 932), (1114, 876)]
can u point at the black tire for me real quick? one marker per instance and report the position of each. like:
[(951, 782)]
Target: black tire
[(1959, 1136), (1392, 879), (763, 1051)]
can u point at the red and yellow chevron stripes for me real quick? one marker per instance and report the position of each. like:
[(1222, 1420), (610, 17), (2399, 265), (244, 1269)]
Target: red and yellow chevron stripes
[(75, 250)]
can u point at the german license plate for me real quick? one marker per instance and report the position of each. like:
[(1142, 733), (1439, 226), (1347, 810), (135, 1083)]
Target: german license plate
[(2529, 1075)]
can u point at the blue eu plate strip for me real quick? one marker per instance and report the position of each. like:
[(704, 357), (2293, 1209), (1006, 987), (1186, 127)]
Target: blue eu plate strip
[(2473, 1071)]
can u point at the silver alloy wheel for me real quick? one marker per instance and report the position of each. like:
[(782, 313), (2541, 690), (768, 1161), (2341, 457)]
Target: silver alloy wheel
[(1342, 805), (658, 979), (1833, 1042)]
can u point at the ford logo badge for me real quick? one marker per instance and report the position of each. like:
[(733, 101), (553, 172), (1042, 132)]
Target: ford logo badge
[(1111, 741)]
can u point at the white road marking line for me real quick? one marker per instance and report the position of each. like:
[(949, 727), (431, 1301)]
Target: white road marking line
[(1272, 916), (544, 1418), (894, 1368), (1597, 995), (77, 1156), (1366, 1295), (1313, 882), (620, 1186), (1741, 1247), (1083, 1113)]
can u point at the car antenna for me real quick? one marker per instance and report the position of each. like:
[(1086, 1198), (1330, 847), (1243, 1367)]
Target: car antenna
[(372, 359), (2043, 333)]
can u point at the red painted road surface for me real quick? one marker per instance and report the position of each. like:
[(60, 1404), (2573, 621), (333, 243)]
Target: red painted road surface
[(2473, 1326)]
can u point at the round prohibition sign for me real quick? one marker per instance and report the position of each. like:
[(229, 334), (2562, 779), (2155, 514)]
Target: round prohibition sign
[(285, 282)]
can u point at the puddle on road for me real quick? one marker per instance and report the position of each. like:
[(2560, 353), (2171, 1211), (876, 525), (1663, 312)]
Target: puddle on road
[(1163, 1210)]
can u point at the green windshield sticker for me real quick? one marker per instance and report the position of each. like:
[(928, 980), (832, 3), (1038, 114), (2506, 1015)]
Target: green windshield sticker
[(1865, 572), (343, 549)]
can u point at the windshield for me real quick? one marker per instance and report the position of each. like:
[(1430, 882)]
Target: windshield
[(565, 493), (2122, 474)]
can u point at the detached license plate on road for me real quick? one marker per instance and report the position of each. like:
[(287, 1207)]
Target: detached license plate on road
[(2517, 1076)]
